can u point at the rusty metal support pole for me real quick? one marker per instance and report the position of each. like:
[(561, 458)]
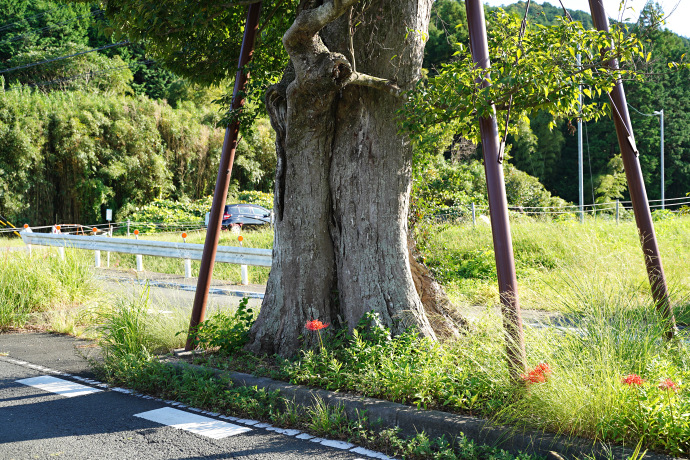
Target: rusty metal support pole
[(223, 181), (638, 194), (498, 204)]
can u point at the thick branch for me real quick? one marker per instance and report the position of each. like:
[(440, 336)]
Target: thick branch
[(309, 22), (363, 79)]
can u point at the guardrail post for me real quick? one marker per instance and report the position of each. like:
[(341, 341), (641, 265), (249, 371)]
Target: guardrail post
[(139, 259), (61, 252), (244, 274), (28, 230), (474, 216), (187, 262), (97, 258)]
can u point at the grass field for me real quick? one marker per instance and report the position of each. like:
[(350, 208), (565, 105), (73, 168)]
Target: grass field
[(556, 260)]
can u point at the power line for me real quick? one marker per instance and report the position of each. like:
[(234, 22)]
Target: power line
[(33, 64), (7, 26), (43, 29), (81, 75)]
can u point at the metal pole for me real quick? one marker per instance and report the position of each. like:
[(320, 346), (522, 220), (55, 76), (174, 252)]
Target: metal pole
[(498, 204), (618, 204), (223, 181), (638, 194), (580, 173), (663, 193)]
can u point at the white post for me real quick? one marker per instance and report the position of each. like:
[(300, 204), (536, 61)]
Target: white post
[(187, 268), (97, 257), (474, 216), (243, 268), (245, 275), (140, 261), (61, 252), (127, 227)]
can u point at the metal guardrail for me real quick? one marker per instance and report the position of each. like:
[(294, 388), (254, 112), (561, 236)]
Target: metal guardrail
[(226, 254)]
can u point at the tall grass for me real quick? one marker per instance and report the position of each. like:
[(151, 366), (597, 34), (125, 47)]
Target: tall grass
[(33, 284), (613, 335), (133, 328), (548, 253)]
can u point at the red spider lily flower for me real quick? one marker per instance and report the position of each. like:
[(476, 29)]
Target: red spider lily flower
[(537, 375), (632, 379), (668, 384), (315, 325)]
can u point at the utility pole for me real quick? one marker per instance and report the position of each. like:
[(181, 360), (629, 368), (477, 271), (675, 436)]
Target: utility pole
[(580, 173), (663, 193), (498, 203), (638, 194)]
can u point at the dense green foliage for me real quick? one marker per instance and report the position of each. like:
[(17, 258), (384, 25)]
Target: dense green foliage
[(551, 154), (66, 156)]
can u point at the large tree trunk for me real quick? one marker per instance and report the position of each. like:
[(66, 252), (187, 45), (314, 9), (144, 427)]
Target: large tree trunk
[(343, 175)]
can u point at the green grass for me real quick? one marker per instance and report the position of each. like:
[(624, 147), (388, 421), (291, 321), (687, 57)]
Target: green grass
[(548, 255), (133, 328), (31, 286)]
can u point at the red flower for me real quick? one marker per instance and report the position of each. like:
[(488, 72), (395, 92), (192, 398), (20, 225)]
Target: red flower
[(315, 325), (632, 379), (668, 384), (537, 375)]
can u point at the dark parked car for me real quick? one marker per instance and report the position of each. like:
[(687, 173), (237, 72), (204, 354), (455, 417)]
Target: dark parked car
[(245, 214)]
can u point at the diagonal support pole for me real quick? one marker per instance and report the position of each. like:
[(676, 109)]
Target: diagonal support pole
[(638, 193), (223, 181), (498, 203)]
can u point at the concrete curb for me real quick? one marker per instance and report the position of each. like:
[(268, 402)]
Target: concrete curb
[(434, 423)]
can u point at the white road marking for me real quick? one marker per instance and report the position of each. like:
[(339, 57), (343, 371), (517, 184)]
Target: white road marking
[(59, 386), (337, 444), (370, 453), (191, 422)]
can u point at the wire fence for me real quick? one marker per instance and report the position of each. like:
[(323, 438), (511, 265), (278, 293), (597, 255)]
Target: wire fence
[(614, 210)]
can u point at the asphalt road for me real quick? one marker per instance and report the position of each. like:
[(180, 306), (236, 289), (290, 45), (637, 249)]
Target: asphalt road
[(168, 292), (46, 415)]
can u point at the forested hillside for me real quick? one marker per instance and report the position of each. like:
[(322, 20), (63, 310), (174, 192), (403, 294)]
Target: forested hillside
[(87, 123), (551, 155), (106, 128)]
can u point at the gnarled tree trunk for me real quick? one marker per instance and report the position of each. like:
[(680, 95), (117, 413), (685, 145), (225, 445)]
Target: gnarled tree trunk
[(343, 175)]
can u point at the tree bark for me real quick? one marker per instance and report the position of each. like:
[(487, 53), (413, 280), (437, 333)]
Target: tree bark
[(344, 173)]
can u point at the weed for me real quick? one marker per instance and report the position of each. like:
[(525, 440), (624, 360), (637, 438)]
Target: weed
[(228, 332)]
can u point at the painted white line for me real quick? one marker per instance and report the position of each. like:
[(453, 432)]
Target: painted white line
[(285, 431), (191, 422), (370, 453), (337, 444), (58, 386), (246, 421)]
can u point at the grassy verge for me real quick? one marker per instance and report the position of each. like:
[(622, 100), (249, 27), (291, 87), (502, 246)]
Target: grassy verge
[(550, 256), (609, 375), (42, 289), (131, 335)]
